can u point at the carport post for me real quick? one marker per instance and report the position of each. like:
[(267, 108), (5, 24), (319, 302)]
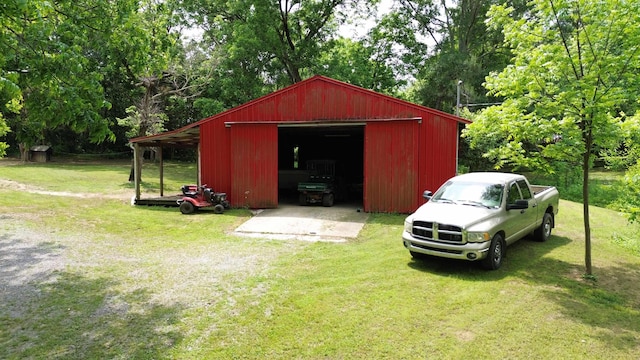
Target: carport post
[(161, 171), (136, 169), (198, 167)]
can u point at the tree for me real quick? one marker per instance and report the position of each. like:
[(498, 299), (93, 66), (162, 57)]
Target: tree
[(456, 44), (45, 50), (573, 70), (274, 42)]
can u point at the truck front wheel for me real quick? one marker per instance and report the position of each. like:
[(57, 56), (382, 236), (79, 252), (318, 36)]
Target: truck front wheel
[(544, 231), (495, 254)]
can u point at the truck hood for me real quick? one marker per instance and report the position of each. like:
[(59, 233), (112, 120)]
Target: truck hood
[(463, 216)]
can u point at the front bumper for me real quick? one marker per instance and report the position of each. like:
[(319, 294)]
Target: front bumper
[(468, 251)]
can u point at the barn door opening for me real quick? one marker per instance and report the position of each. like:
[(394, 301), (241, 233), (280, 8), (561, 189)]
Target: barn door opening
[(342, 144)]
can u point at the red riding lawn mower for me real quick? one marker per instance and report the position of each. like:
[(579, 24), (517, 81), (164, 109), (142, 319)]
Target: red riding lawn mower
[(196, 197)]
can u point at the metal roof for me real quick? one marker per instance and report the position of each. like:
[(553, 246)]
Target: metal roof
[(183, 137), (189, 135)]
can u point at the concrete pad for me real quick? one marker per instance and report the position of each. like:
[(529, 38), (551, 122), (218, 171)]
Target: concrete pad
[(310, 223)]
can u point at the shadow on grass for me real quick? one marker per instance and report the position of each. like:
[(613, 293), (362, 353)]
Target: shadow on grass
[(48, 312), (611, 305), (198, 214), (386, 219), (523, 254)]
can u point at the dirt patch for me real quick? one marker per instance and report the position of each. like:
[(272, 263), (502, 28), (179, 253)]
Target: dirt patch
[(16, 186), (208, 275)]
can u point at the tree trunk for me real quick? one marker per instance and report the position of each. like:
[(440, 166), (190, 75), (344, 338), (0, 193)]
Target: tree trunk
[(24, 151), (586, 162), (132, 172)]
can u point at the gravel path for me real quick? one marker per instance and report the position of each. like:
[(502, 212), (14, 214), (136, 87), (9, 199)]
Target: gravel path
[(31, 258)]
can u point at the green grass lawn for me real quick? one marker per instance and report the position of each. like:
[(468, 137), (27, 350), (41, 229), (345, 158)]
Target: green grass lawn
[(98, 278)]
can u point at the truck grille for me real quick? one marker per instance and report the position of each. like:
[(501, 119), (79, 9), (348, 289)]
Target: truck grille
[(437, 232)]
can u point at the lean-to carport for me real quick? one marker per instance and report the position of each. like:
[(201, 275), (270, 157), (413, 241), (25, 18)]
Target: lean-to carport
[(186, 137)]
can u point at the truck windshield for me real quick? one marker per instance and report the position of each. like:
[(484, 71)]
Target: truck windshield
[(482, 194)]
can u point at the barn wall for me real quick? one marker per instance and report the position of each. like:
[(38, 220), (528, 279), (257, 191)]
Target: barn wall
[(391, 166), (215, 157), (438, 152), (254, 165)]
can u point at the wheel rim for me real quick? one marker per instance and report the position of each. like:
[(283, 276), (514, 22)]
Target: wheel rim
[(497, 253), (547, 227)]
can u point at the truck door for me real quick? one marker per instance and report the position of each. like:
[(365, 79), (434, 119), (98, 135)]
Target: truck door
[(517, 221), (531, 214)]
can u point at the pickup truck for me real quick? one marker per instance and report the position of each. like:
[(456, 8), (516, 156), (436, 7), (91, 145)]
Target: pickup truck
[(476, 216)]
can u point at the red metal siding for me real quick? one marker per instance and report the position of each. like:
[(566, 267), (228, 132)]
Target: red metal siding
[(254, 165), (438, 152), (391, 166), (215, 159)]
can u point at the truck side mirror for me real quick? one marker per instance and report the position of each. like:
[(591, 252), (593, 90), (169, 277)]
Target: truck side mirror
[(427, 194), (518, 205)]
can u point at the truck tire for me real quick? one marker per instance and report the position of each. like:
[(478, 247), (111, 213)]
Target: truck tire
[(495, 254), (302, 199), (543, 232), (327, 200)]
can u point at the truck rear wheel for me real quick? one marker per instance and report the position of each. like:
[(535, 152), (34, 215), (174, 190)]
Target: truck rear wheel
[(543, 232), (495, 254)]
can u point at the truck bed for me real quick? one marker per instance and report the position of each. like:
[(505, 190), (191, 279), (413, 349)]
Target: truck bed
[(537, 189)]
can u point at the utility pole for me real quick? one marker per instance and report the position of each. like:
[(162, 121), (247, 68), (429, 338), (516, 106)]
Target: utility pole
[(458, 99)]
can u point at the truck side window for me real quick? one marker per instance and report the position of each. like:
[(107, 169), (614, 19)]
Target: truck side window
[(524, 189), (514, 194)]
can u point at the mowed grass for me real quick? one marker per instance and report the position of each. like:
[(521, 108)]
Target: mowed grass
[(107, 280)]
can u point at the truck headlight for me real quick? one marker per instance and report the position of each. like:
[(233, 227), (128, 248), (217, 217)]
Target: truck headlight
[(408, 225), (477, 237)]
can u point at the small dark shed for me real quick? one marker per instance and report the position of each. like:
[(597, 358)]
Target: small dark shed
[(387, 150), (40, 153)]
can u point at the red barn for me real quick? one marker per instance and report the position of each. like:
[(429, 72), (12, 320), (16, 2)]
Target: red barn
[(387, 150)]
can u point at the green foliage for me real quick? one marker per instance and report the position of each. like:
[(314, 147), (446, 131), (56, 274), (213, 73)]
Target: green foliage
[(48, 49), (139, 125), (452, 42), (566, 82), (362, 63), (631, 192)]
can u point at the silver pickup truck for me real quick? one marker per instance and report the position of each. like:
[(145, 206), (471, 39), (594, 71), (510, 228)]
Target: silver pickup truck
[(476, 216)]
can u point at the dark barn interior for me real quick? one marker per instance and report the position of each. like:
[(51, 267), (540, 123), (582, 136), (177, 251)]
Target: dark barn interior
[(343, 144)]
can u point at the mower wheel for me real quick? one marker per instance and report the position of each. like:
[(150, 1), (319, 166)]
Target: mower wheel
[(218, 208), (187, 208)]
